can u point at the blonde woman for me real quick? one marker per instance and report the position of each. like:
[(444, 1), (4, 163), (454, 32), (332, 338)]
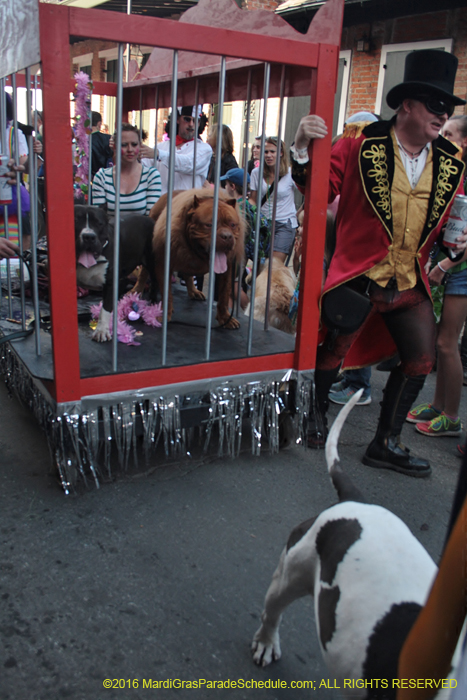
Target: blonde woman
[(286, 213)]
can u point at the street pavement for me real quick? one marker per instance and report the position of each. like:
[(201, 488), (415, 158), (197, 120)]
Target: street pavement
[(161, 575)]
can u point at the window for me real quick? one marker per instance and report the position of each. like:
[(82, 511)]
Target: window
[(342, 91), (112, 71)]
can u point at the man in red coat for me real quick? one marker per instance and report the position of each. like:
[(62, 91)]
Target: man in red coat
[(397, 181)]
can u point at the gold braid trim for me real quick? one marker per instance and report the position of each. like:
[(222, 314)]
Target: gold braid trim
[(447, 168), (378, 156), (354, 130)]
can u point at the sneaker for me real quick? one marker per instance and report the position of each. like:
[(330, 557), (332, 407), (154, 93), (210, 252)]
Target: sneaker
[(337, 386), (423, 413), (442, 426), (344, 396)]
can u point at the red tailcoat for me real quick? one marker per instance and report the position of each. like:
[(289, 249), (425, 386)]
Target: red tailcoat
[(362, 171)]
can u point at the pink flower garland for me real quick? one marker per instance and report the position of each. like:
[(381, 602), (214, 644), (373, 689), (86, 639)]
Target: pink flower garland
[(82, 131)]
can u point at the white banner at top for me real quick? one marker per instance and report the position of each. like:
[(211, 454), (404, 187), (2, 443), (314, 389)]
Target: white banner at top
[(19, 48)]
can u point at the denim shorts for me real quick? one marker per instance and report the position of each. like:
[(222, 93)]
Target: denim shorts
[(284, 235), (456, 284)]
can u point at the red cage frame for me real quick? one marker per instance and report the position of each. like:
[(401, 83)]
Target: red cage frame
[(57, 24)]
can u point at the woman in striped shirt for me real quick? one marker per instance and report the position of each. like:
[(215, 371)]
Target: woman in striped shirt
[(140, 186)]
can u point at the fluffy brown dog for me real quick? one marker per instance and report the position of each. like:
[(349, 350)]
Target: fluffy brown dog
[(283, 282), (191, 224)]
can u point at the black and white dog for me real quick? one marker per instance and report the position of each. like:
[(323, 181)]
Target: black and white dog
[(369, 576), (94, 238)]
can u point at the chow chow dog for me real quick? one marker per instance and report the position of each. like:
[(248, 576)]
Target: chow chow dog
[(190, 247)]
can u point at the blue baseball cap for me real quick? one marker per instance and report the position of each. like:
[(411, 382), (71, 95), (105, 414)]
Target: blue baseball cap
[(235, 175)]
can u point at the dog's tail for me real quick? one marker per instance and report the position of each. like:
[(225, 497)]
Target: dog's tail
[(341, 482)]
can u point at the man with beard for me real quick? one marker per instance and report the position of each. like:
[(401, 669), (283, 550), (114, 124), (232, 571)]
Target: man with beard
[(184, 152)]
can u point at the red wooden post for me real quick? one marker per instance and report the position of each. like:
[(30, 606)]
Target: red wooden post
[(316, 199), (55, 56)]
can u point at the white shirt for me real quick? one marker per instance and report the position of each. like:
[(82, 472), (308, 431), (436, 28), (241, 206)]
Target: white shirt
[(285, 208), (414, 167), (183, 176)]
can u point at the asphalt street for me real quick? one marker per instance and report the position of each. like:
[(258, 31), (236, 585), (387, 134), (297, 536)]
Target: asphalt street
[(161, 576)]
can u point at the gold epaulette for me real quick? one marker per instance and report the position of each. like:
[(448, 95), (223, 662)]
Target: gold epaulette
[(459, 150), (354, 130)]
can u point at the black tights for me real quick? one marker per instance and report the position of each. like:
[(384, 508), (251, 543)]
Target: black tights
[(409, 319)]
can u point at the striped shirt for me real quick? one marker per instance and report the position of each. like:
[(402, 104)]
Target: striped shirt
[(138, 202)]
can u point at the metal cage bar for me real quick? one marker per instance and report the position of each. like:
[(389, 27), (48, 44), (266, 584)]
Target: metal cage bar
[(267, 77), (215, 211), (170, 189), (20, 218), (33, 197), (195, 144), (118, 171), (275, 195)]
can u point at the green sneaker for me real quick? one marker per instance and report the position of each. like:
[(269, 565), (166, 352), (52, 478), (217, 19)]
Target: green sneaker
[(442, 426), (423, 413)]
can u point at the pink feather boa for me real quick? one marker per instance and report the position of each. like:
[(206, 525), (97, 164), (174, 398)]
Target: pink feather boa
[(131, 308), (82, 131)]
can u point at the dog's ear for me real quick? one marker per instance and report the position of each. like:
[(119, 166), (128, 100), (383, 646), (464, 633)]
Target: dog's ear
[(231, 203), (196, 202), (101, 215)]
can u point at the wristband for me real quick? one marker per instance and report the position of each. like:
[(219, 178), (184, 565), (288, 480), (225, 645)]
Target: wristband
[(442, 268)]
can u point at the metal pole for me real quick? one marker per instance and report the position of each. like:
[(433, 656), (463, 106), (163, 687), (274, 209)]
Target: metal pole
[(5, 151), (90, 154), (128, 11), (267, 77), (217, 175), (141, 115), (157, 119), (170, 189), (2, 140), (245, 181), (274, 200), (118, 168), (20, 218), (195, 144), (33, 213)]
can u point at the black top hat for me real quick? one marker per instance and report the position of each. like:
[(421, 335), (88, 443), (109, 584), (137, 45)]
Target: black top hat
[(428, 71)]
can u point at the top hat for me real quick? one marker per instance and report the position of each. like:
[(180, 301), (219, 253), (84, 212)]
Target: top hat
[(189, 111), (428, 71)]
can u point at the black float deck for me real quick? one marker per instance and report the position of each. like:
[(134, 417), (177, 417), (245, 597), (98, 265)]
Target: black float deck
[(186, 341)]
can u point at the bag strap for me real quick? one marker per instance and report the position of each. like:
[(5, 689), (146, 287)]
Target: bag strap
[(269, 191)]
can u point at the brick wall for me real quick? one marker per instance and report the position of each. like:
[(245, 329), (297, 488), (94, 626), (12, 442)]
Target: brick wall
[(91, 46), (445, 24)]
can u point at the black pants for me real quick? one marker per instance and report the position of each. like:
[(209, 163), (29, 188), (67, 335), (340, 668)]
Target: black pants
[(410, 321)]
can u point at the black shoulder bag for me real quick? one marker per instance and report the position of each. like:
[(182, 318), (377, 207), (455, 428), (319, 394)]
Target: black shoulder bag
[(344, 310)]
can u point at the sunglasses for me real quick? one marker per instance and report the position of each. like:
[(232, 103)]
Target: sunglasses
[(437, 106)]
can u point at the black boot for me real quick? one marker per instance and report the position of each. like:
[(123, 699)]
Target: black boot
[(317, 430), (385, 450), (464, 356)]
